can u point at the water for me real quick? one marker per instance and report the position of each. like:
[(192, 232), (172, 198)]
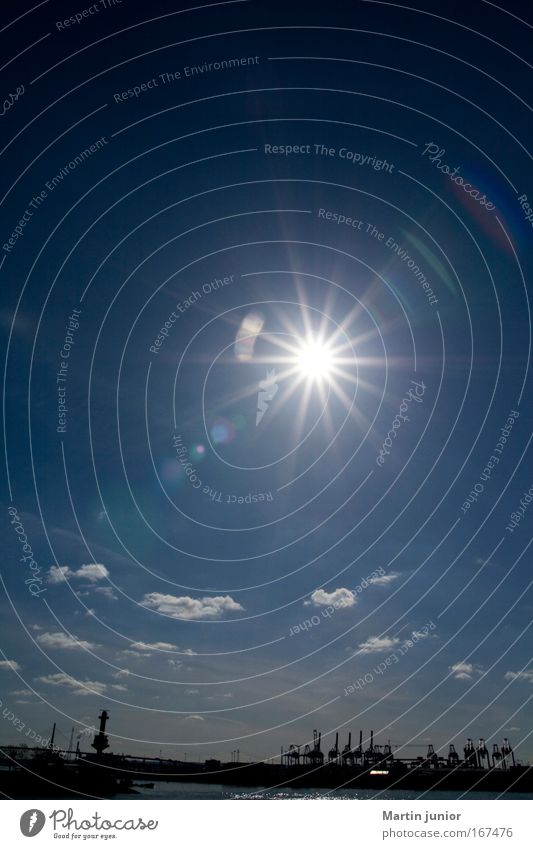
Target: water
[(184, 790)]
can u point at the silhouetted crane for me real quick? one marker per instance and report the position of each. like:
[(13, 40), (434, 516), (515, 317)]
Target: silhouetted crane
[(358, 753), (369, 754), (482, 754), (453, 757), (431, 757), (496, 755), (470, 753), (314, 755), (388, 757), (507, 750), (347, 754), (293, 755)]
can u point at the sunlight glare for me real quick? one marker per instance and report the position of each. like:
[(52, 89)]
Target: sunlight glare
[(314, 360)]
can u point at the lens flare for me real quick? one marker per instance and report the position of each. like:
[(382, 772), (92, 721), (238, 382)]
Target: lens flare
[(197, 452), (222, 432), (250, 328)]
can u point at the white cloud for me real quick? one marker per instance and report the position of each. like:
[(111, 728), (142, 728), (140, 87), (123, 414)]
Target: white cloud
[(60, 640), (192, 692), (195, 718), (79, 688), (377, 644), (119, 687), (420, 635), (140, 649), (56, 574), (384, 580), (153, 646), (483, 561), (340, 597), (464, 671), (21, 693), (9, 664), (185, 607), (122, 673), (91, 572), (525, 675)]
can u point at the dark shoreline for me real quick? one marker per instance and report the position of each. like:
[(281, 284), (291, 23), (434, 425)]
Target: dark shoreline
[(79, 780)]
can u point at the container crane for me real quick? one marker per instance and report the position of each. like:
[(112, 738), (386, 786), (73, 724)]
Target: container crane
[(507, 750), (496, 756), (431, 757), (369, 753), (358, 753), (470, 753), (314, 755), (453, 757), (347, 754), (333, 754), (482, 754), (293, 755)]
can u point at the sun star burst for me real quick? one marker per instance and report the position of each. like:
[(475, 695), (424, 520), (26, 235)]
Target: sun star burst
[(314, 359)]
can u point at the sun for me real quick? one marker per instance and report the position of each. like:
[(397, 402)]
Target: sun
[(314, 359)]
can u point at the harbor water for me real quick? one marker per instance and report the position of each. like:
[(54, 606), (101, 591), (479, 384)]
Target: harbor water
[(183, 790)]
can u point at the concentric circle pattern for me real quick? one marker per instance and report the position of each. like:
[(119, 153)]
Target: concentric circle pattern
[(266, 274)]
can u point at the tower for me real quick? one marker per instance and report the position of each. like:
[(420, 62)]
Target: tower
[(101, 741)]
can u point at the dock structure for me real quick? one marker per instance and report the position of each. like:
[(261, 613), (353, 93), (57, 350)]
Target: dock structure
[(43, 772)]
